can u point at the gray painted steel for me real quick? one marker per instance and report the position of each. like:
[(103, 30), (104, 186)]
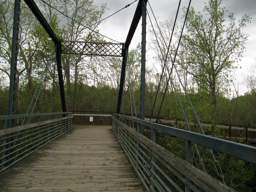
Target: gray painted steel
[(91, 48), (143, 57), (241, 151), (158, 168), (14, 55), (18, 142), (60, 77)]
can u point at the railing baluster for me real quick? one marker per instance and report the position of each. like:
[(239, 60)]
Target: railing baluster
[(189, 158), (159, 169), (18, 142)]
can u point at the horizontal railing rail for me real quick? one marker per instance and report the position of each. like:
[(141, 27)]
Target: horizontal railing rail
[(207, 125), (241, 151), (92, 119), (245, 134), (18, 142), (91, 115), (21, 116), (27, 118), (161, 170)]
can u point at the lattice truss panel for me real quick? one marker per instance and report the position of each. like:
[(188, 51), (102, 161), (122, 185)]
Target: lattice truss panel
[(92, 48)]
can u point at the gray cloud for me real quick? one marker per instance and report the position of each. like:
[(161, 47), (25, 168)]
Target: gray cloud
[(117, 27), (241, 6)]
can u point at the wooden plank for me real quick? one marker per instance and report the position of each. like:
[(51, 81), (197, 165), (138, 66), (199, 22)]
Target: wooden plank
[(87, 160)]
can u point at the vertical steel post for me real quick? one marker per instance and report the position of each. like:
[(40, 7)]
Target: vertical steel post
[(122, 80), (229, 131), (143, 58), (246, 134), (189, 158), (152, 160), (13, 70), (60, 75)]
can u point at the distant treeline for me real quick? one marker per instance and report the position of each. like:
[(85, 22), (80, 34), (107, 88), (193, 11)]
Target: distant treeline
[(102, 99)]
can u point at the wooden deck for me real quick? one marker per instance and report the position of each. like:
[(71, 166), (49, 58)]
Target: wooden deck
[(89, 159)]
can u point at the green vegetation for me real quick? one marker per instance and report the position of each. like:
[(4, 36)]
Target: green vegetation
[(212, 45)]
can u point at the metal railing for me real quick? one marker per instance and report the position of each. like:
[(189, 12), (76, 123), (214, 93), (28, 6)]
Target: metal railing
[(161, 170), (240, 134), (26, 118), (92, 119), (18, 142)]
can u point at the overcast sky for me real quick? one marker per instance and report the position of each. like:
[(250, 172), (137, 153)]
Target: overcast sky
[(117, 28)]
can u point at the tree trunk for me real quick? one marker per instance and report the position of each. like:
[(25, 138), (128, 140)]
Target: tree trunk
[(17, 94), (66, 68), (214, 106)]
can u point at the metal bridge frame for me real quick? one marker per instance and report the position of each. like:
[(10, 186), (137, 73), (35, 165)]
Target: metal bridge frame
[(83, 48), (149, 159), (12, 90), (139, 13), (93, 48)]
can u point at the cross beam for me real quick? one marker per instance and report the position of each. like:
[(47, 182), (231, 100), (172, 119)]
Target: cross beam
[(38, 14), (93, 48)]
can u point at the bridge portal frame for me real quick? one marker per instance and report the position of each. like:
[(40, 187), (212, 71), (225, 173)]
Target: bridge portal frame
[(82, 48), (14, 55), (140, 12)]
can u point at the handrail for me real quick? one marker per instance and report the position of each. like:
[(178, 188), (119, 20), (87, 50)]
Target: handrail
[(161, 170), (20, 116), (20, 141), (29, 126), (91, 115), (242, 151)]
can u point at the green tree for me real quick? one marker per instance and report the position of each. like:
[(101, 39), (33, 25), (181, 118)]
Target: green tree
[(213, 43)]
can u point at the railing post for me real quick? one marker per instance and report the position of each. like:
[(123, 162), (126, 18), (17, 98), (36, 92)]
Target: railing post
[(229, 131), (117, 132), (189, 158), (114, 126), (153, 138), (69, 124), (153, 134), (246, 134), (66, 121)]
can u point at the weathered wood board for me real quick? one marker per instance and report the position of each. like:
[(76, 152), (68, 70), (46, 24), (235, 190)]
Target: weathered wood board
[(89, 159)]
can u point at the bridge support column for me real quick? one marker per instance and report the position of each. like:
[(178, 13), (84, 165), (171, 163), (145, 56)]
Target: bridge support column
[(60, 76), (122, 79), (13, 71), (143, 58), (189, 158)]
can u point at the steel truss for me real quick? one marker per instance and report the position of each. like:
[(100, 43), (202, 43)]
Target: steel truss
[(93, 48), (84, 48)]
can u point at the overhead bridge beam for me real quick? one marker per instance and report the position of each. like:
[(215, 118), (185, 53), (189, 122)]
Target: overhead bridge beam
[(40, 17), (38, 14), (135, 21), (91, 48)]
